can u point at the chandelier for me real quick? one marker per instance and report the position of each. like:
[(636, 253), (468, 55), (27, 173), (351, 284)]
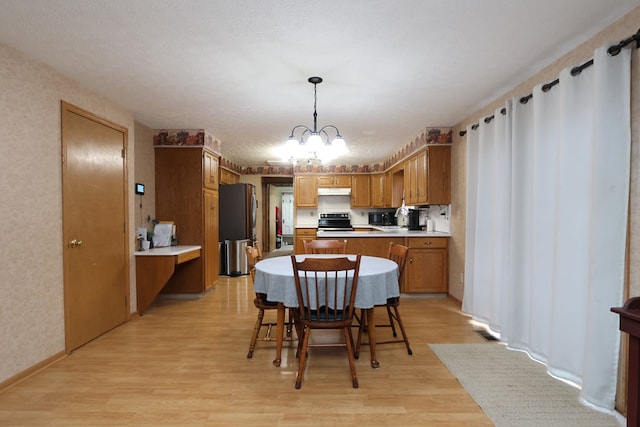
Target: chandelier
[(311, 144)]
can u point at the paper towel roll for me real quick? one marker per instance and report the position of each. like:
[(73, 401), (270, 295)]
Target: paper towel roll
[(431, 226)]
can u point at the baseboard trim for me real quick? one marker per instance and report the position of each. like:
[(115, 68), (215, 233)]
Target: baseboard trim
[(5, 385)]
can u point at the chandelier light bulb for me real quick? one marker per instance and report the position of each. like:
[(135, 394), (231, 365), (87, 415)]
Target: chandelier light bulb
[(314, 142), (338, 145)]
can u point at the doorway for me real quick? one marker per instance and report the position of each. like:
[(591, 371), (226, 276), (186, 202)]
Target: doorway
[(94, 212), (269, 202)]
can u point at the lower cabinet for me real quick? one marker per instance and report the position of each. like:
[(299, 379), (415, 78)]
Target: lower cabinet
[(300, 235), (427, 268), (378, 246)]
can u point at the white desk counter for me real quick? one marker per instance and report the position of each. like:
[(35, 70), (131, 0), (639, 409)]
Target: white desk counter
[(154, 268)]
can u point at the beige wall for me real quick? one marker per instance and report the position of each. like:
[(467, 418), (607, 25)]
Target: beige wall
[(31, 284), (144, 173), (620, 30)]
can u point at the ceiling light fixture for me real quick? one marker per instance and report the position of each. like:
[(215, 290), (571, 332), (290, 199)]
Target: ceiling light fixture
[(314, 144)]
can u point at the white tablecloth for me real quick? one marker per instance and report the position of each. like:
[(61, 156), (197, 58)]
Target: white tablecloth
[(377, 281)]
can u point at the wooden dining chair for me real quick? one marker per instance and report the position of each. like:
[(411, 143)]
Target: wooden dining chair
[(397, 253), (325, 246), (254, 254), (326, 290)]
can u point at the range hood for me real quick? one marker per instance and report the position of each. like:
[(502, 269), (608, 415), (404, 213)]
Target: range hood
[(334, 191)]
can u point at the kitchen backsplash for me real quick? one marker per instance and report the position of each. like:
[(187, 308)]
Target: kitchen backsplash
[(308, 217)]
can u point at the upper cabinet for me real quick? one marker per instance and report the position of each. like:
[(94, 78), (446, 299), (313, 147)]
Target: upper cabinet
[(333, 181), (422, 179), (427, 176), (306, 191), (377, 190), (438, 175), (210, 170), (228, 177), (360, 191)]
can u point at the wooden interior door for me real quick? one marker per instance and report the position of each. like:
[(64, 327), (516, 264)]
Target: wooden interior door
[(94, 209)]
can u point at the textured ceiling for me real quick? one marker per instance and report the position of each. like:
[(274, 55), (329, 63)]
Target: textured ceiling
[(239, 68)]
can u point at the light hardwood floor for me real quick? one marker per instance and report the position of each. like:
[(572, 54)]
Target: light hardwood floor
[(184, 364)]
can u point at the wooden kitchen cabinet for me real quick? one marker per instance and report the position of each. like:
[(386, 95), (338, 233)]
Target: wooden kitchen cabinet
[(372, 246), (427, 176), (210, 174), (228, 177), (420, 170), (438, 175), (186, 180), (360, 191), (427, 267), (333, 181), (388, 190), (377, 190), (410, 181), (300, 235), (210, 250), (306, 191)]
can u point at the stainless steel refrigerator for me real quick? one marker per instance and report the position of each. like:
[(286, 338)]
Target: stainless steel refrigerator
[(238, 211)]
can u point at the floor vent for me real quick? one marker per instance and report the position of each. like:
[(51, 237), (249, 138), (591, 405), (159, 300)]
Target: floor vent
[(486, 335)]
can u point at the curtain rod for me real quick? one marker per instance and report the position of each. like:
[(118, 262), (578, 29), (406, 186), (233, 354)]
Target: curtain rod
[(612, 51)]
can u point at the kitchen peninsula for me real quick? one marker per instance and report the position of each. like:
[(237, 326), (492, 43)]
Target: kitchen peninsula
[(427, 269)]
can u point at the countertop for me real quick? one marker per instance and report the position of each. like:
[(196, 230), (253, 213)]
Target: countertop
[(169, 250), (374, 231)]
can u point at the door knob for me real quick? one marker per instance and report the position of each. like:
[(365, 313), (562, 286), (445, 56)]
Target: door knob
[(75, 243)]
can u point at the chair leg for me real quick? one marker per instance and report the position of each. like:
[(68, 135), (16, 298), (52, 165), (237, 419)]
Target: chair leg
[(297, 323), (289, 325), (361, 327), (256, 332), (391, 323), (348, 338), (404, 334), (303, 358)]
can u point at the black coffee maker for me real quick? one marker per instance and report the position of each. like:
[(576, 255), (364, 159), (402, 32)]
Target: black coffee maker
[(414, 219)]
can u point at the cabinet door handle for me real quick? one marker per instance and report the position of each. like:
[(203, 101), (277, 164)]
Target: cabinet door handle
[(410, 260), (427, 243)]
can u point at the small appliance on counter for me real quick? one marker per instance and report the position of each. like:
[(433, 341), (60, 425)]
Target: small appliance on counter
[(382, 218), (414, 219)]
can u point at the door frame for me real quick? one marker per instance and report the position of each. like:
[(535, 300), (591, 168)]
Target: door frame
[(65, 106), (267, 181)]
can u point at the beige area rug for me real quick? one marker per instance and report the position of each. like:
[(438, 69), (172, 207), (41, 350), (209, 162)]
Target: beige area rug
[(515, 391)]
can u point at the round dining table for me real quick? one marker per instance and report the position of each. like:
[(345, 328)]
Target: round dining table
[(377, 281)]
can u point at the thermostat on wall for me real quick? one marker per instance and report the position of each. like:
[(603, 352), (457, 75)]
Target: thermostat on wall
[(139, 188)]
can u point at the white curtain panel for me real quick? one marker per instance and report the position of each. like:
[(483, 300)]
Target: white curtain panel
[(547, 196)]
